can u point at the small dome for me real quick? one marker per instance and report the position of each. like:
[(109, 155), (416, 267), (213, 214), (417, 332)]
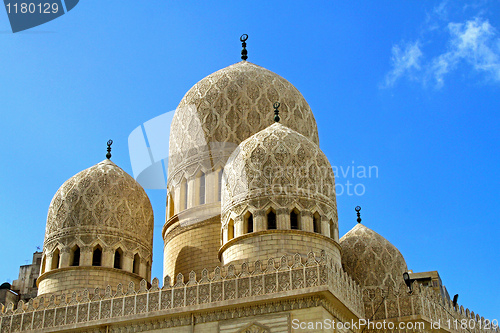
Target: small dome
[(371, 260), (278, 161), (229, 106), (101, 200), (5, 285)]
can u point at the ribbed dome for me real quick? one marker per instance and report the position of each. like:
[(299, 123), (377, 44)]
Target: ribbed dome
[(278, 161), (101, 200), (371, 260), (229, 106)]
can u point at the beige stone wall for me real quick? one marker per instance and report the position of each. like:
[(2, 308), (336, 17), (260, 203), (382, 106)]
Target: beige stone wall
[(276, 243), (193, 247), (69, 279)]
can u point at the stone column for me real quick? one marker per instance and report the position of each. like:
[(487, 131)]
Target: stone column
[(307, 221), (86, 256), (192, 192), (143, 268), (239, 227), (108, 256), (325, 226), (128, 261), (259, 220), (65, 257), (283, 219)]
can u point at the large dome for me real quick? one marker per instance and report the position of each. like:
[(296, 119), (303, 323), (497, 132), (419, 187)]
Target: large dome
[(279, 161), (229, 106), (102, 199), (371, 260)]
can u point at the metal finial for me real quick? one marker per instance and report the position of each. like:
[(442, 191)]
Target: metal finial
[(276, 105), (108, 155), (357, 209), (244, 52)]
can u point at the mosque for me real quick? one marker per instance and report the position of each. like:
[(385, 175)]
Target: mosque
[(251, 237)]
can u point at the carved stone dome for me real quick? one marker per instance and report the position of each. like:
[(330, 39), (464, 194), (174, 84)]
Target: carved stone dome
[(229, 106), (278, 161), (371, 260), (102, 200)]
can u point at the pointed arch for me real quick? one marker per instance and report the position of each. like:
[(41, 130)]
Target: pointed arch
[(118, 259), (230, 230), (75, 256), (56, 259), (136, 264), (271, 219), (248, 220), (317, 222), (295, 219), (97, 256)]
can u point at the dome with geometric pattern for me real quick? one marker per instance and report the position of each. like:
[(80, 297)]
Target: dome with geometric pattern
[(103, 200), (371, 260), (278, 161), (229, 106)]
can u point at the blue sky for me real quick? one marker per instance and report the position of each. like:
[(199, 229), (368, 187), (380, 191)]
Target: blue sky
[(410, 87)]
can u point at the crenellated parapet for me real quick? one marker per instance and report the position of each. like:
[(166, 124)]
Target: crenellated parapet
[(424, 305), (280, 278)]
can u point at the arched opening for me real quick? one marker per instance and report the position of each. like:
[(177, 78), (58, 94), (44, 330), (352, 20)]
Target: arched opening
[(97, 256), (75, 256), (230, 230), (201, 198), (317, 222), (43, 264), (271, 220), (294, 220), (56, 258), (248, 223), (171, 206), (332, 229), (118, 259), (136, 264), (219, 186)]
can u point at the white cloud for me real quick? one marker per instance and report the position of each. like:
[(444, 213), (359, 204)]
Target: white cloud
[(473, 42), (473, 45), (404, 62)]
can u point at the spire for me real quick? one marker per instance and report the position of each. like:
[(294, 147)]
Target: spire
[(244, 52), (357, 209), (108, 155), (276, 111)]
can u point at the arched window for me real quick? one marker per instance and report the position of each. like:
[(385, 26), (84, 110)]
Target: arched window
[(317, 222), (170, 204), (220, 185), (332, 229), (271, 220), (248, 223), (118, 259), (44, 259), (230, 230), (136, 265), (97, 256), (75, 256), (294, 220), (202, 189), (56, 257)]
